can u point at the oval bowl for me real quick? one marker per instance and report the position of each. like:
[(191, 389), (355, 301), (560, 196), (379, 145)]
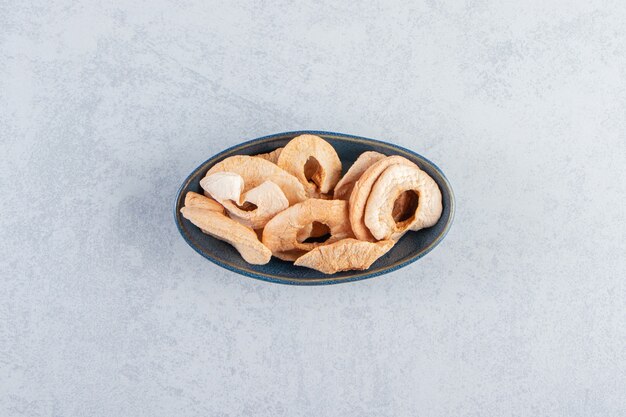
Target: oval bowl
[(411, 247)]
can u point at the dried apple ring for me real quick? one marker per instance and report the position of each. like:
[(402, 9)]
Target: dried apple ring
[(283, 235), (391, 184), (361, 192), (313, 161)]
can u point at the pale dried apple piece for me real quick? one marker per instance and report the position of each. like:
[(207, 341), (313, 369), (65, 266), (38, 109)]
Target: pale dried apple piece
[(268, 196), (393, 182), (313, 161), (253, 208), (344, 255), (283, 235), (258, 206), (344, 187), (255, 171), (270, 156), (361, 192), (198, 200), (223, 186), (224, 228)]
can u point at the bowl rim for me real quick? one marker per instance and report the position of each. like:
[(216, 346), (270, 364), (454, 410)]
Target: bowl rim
[(322, 279)]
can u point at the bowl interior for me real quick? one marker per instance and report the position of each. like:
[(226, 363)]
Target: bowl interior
[(411, 247)]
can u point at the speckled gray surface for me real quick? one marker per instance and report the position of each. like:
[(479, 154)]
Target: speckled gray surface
[(106, 107)]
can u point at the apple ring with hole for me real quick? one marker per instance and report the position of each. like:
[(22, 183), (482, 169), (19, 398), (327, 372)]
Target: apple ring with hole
[(314, 162), (285, 235), (395, 181)]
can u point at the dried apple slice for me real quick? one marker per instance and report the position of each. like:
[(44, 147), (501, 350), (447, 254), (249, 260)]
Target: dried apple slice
[(344, 255), (224, 228), (344, 187), (255, 171), (270, 156), (284, 235), (391, 184), (253, 208), (361, 192), (198, 200), (313, 161)]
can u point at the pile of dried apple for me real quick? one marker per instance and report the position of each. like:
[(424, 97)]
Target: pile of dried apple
[(292, 203)]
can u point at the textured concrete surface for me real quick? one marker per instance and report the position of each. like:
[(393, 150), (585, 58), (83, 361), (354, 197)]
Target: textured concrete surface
[(106, 106)]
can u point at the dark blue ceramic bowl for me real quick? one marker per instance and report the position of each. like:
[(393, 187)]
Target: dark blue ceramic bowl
[(410, 248)]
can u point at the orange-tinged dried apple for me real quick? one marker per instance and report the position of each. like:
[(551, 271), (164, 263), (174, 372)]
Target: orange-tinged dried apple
[(344, 187), (344, 255), (198, 200), (283, 235), (224, 228), (313, 161), (270, 156)]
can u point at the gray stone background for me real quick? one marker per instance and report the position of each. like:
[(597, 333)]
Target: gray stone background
[(107, 106)]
